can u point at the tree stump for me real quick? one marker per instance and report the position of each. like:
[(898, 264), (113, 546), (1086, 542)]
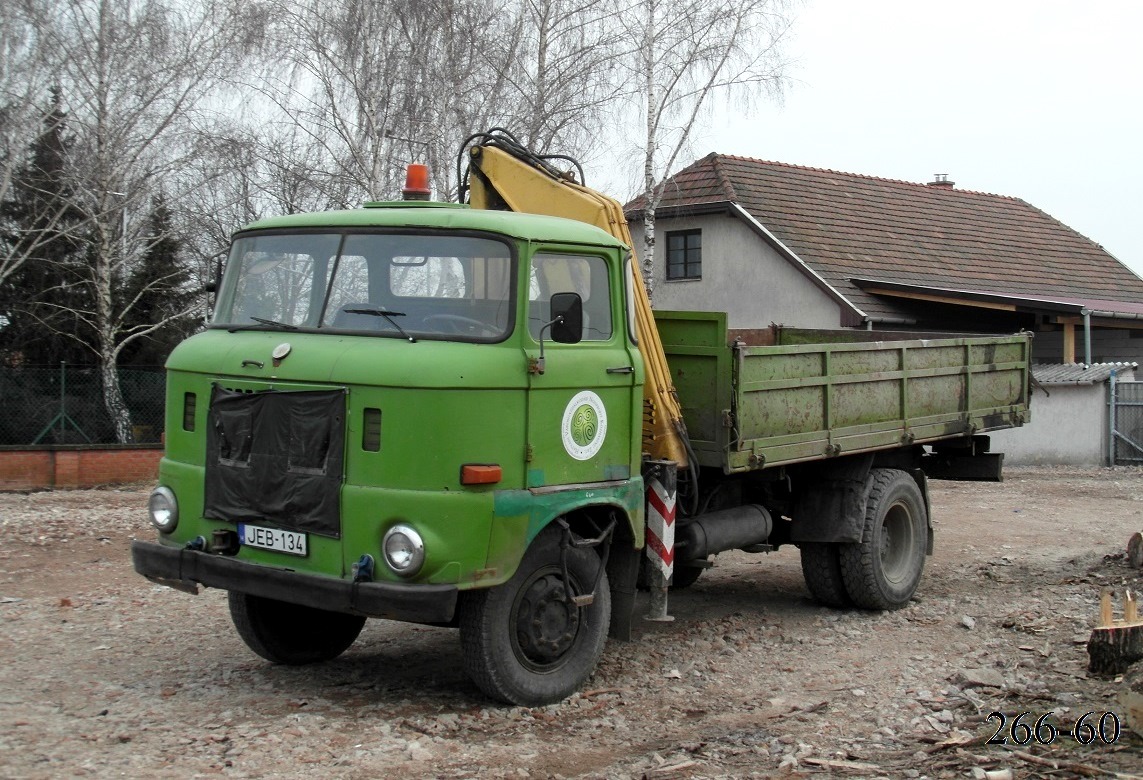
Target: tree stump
[(1115, 644)]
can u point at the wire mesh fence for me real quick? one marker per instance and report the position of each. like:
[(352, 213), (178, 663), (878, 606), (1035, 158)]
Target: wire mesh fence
[(63, 404), (1126, 422)]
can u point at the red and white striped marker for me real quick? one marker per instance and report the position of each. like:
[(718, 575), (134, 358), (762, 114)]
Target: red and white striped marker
[(661, 528)]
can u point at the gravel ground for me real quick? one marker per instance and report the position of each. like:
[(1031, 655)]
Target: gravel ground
[(105, 674)]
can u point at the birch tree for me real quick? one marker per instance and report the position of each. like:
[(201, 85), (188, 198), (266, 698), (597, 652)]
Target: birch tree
[(134, 80), (375, 85), (686, 55), (561, 65)]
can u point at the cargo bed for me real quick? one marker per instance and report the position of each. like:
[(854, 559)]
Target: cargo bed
[(759, 399)]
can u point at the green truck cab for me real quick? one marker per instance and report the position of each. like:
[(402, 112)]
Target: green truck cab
[(432, 413)]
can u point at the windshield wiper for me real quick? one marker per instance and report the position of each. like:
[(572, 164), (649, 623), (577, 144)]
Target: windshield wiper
[(263, 321), (388, 315)]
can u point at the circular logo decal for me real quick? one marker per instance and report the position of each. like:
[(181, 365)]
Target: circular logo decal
[(584, 426)]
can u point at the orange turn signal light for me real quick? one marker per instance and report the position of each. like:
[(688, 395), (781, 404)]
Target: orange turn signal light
[(417, 182), (480, 474)]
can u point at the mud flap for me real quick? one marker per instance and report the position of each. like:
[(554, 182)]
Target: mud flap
[(832, 507), (622, 573)]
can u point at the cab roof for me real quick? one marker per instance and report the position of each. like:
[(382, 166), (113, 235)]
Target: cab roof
[(449, 216)]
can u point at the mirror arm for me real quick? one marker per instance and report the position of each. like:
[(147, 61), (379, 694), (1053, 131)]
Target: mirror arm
[(536, 365)]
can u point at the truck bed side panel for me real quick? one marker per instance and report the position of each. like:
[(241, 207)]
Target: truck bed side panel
[(754, 407)]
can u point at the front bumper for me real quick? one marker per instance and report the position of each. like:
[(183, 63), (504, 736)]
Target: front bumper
[(186, 569)]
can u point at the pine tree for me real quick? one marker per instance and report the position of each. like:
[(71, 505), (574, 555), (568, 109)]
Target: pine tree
[(39, 224)]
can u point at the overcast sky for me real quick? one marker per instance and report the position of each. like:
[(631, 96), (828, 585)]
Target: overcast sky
[(1038, 100)]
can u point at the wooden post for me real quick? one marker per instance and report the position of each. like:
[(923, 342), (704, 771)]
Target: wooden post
[(1069, 342)]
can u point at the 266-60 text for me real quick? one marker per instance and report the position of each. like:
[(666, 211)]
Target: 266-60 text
[(1091, 727)]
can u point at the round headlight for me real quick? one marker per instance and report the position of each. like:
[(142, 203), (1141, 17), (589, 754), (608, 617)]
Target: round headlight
[(164, 509), (404, 550)]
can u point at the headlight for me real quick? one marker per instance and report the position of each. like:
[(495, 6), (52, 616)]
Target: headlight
[(164, 509), (404, 550)]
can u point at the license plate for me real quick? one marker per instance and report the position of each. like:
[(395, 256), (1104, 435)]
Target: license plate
[(288, 542)]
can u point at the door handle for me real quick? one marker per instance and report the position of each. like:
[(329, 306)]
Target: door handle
[(622, 370)]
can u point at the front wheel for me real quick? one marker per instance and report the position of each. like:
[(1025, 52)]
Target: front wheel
[(883, 570), (289, 633), (524, 642)]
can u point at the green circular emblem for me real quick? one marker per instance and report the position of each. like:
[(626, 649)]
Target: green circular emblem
[(585, 424)]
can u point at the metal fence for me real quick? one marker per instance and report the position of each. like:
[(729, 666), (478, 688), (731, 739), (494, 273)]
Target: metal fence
[(1125, 442), (63, 404)]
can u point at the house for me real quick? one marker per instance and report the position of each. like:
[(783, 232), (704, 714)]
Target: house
[(774, 243)]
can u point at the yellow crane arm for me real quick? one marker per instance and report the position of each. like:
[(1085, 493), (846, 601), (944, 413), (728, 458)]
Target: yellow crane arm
[(500, 180)]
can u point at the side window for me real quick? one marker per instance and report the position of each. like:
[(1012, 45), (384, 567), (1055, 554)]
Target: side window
[(583, 274), (684, 254), (629, 271)]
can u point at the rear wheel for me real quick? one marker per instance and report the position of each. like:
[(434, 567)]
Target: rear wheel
[(883, 570), (291, 634), (821, 568), (524, 642)]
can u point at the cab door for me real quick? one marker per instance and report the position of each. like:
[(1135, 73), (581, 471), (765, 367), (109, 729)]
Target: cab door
[(581, 409)]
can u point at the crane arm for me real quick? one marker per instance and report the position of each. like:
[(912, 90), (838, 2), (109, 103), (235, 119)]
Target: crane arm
[(504, 176)]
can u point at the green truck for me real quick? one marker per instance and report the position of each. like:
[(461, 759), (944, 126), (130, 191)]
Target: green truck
[(433, 413)]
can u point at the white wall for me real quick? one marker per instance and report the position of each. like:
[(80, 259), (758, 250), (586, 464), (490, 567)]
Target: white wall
[(741, 275), (1069, 427)]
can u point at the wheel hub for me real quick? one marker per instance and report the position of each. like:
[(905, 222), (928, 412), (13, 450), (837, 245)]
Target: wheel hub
[(546, 623), (896, 543)]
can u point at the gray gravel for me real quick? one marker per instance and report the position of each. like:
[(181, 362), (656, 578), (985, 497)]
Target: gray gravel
[(108, 675)]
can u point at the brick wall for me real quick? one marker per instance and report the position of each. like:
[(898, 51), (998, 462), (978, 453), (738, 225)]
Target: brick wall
[(32, 468)]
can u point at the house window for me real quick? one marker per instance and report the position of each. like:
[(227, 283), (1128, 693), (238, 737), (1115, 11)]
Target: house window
[(684, 254)]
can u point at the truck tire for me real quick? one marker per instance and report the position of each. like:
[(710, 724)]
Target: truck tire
[(883, 570), (291, 634), (821, 568), (523, 642)]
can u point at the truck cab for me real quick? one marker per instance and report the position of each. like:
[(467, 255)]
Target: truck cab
[(391, 407)]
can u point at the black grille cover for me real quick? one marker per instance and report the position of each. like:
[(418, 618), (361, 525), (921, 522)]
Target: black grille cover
[(276, 457)]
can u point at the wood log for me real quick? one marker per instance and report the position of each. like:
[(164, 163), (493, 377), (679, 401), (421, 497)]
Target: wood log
[(1115, 644), (1135, 550), (1131, 699)]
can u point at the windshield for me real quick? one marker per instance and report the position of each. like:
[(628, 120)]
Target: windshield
[(385, 284)]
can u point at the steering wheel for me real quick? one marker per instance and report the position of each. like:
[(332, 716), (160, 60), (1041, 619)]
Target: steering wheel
[(460, 325)]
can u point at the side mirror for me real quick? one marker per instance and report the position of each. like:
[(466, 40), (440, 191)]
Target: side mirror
[(567, 318)]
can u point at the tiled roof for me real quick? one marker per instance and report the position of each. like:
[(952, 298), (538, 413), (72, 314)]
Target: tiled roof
[(1078, 373), (846, 226)]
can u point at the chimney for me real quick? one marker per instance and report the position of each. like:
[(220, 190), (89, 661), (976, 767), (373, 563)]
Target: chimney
[(941, 180)]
